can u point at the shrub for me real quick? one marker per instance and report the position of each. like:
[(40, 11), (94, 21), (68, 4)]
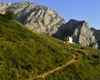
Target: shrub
[(10, 14)]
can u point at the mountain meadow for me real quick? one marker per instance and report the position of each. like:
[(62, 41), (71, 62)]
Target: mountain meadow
[(25, 54)]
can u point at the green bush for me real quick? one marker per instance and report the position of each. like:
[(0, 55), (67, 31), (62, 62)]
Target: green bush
[(10, 14)]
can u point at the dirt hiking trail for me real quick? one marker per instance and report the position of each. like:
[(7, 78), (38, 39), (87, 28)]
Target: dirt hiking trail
[(56, 69)]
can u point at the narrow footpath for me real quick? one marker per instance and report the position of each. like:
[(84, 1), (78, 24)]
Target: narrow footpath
[(57, 69)]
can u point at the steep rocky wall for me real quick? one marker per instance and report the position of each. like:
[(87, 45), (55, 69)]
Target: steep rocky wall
[(96, 33), (79, 31), (38, 18)]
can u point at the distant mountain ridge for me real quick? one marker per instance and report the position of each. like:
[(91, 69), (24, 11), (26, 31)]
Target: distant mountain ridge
[(97, 35), (46, 21)]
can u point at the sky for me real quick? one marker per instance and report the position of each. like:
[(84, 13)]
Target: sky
[(88, 10)]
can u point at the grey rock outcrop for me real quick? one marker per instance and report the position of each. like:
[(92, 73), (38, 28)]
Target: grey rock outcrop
[(38, 18), (97, 35), (79, 31)]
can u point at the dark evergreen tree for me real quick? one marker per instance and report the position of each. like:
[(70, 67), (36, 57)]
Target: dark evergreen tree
[(10, 14)]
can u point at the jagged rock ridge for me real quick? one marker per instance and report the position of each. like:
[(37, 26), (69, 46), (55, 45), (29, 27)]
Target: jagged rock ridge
[(46, 21)]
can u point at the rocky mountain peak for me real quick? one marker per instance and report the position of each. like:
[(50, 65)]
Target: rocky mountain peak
[(9, 3), (5, 4), (79, 31)]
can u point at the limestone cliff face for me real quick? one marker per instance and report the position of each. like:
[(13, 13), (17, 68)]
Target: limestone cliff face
[(79, 31), (97, 35), (38, 18)]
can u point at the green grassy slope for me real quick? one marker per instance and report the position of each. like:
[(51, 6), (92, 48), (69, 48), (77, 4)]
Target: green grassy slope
[(86, 68), (25, 54)]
